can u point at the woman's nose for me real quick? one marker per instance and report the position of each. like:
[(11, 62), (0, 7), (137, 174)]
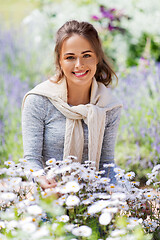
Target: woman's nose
[(79, 62)]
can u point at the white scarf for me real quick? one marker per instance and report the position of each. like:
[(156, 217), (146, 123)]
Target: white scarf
[(93, 114)]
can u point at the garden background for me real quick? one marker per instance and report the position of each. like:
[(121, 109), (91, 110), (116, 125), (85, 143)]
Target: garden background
[(130, 35), (131, 38)]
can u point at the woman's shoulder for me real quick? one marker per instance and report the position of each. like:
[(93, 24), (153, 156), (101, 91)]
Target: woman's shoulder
[(113, 115), (35, 99), (35, 103)]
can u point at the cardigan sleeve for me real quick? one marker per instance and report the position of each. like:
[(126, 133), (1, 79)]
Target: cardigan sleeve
[(109, 140), (33, 115)]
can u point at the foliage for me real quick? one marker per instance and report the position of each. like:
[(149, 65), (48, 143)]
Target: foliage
[(19, 71), (139, 133), (83, 205), (123, 25)]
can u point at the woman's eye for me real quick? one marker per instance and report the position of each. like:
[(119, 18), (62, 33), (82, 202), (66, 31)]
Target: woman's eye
[(70, 58), (87, 56)]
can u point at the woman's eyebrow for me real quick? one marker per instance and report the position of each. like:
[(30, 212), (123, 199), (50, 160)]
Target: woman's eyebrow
[(86, 51), (81, 52), (69, 54)]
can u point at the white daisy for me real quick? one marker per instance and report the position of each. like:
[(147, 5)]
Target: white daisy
[(130, 175), (51, 161), (69, 227), (12, 224), (41, 232), (118, 232), (63, 218), (103, 196), (8, 196), (110, 210), (105, 180), (119, 195), (105, 218), (106, 165), (9, 163), (54, 226), (23, 160), (97, 206), (82, 231), (2, 225), (34, 210), (3, 170), (119, 170), (25, 220), (72, 200), (38, 173), (156, 168), (72, 186), (29, 227), (149, 195)]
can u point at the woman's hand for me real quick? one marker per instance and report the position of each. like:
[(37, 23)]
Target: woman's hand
[(45, 183)]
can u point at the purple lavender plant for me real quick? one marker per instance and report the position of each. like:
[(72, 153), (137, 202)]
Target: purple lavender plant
[(139, 135), (113, 17), (16, 78)]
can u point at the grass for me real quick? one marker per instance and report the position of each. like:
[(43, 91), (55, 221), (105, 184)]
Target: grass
[(12, 12)]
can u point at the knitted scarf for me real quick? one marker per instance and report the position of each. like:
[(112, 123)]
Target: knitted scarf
[(93, 114)]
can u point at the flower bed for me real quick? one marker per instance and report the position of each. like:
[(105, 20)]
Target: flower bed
[(83, 205)]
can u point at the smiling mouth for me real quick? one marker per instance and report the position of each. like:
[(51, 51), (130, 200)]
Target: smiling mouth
[(80, 74)]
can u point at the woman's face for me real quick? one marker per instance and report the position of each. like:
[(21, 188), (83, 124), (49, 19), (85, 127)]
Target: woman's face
[(78, 61)]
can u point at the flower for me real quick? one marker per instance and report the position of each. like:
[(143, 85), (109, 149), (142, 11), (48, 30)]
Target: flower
[(38, 173), (29, 227), (8, 196), (110, 210), (41, 232), (9, 163), (97, 206), (82, 231), (72, 200), (51, 161), (156, 168), (106, 165), (2, 224), (69, 227), (119, 170), (118, 232), (63, 218), (72, 186), (105, 218), (119, 195), (149, 195), (105, 180), (34, 210), (22, 160), (12, 224), (130, 175)]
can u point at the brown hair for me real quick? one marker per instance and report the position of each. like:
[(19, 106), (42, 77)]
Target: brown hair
[(104, 71)]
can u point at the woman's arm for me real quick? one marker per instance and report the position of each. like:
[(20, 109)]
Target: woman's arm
[(33, 119), (109, 140)]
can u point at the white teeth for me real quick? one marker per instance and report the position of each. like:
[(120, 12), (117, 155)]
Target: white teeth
[(79, 74)]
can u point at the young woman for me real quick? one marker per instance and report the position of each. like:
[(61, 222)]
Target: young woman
[(73, 112)]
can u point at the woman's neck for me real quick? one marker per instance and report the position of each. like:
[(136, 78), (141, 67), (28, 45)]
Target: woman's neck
[(78, 95)]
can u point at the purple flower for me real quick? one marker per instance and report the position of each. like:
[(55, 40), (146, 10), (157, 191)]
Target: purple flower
[(96, 18), (111, 27), (106, 13)]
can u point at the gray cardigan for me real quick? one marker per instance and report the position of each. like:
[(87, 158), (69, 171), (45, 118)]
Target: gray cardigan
[(43, 130)]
